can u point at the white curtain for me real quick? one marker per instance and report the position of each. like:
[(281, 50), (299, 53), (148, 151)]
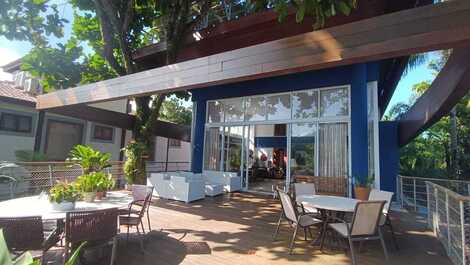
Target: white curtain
[(212, 149), (333, 149)]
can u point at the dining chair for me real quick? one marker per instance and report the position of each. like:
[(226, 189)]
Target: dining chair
[(27, 234), (363, 227), (301, 189), (96, 227), (378, 195), (295, 220), (134, 216), (139, 194)]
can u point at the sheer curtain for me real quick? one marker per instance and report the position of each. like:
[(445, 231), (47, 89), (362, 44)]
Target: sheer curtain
[(333, 149), (212, 149)]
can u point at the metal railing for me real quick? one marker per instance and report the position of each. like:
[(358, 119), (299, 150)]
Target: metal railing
[(153, 166), (449, 218), (412, 193), (28, 178)]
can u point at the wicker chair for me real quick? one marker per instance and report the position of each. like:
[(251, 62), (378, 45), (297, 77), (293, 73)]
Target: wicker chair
[(27, 233), (139, 194), (134, 216), (363, 227), (96, 227), (295, 220)]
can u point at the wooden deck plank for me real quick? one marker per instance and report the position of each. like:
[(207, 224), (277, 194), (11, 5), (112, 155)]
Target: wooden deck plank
[(237, 229)]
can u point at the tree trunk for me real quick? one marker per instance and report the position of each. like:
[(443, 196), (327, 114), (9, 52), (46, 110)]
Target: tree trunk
[(454, 143)]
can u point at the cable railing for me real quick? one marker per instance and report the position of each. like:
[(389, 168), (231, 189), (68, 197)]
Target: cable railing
[(449, 217), (412, 193), (18, 179)]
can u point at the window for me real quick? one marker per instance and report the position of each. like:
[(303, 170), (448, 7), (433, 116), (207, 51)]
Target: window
[(305, 105), (215, 112), (174, 143), (278, 107), (103, 133), (255, 109), (16, 123), (334, 102), (233, 110)]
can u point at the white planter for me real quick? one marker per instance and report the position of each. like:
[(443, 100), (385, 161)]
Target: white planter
[(63, 206)]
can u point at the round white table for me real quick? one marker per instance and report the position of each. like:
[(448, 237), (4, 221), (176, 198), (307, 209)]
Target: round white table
[(40, 206), (329, 203)]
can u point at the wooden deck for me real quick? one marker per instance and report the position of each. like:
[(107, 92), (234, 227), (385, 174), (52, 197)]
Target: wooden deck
[(238, 228)]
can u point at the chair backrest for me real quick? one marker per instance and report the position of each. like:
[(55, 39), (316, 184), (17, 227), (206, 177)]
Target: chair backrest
[(23, 233), (91, 225), (287, 206), (140, 192), (380, 195), (366, 218), (304, 189)]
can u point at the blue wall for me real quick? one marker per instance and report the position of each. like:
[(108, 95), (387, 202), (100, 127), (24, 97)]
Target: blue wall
[(354, 75), (389, 155)]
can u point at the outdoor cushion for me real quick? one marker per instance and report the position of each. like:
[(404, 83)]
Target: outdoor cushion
[(214, 189), (307, 220), (341, 228)]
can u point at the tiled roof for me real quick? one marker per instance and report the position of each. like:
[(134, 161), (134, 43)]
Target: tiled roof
[(8, 90)]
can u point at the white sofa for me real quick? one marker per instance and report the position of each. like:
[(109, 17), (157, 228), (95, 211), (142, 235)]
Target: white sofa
[(180, 186), (229, 180)]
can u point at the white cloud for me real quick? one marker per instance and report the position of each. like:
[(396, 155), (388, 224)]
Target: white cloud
[(6, 56)]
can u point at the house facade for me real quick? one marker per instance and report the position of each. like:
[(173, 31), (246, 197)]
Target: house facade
[(314, 124), (23, 128)]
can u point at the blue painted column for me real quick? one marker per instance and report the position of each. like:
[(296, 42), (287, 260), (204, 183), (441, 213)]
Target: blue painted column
[(389, 155), (359, 140), (198, 134)]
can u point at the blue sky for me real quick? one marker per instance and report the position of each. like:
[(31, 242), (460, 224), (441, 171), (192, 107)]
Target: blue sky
[(12, 50)]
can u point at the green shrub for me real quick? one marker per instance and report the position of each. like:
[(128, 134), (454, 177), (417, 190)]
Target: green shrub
[(89, 159), (134, 167), (63, 191)]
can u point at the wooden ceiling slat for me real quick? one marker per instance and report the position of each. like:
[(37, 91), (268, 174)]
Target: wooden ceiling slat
[(421, 29)]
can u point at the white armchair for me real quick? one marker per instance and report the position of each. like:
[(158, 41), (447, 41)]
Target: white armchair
[(229, 180), (180, 186)]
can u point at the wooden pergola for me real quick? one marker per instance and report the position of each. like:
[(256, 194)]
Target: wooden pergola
[(421, 29)]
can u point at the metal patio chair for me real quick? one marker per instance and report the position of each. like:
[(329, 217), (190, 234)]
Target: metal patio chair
[(139, 194), (305, 189), (97, 228), (134, 216), (377, 195), (27, 234), (295, 220), (363, 227)]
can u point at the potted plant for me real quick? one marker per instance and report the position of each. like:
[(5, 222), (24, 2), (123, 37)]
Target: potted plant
[(88, 185), (63, 196), (89, 159), (362, 186), (105, 183)]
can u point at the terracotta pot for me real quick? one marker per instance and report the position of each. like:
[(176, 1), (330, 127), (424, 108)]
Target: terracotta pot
[(362, 193), (100, 195)]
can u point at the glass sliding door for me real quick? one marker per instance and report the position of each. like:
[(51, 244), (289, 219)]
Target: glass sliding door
[(303, 150), (233, 149)]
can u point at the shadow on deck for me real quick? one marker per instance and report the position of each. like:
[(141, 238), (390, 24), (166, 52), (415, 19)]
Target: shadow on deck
[(238, 228)]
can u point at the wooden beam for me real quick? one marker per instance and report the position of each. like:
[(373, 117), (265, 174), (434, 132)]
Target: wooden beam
[(451, 84), (440, 26), (123, 120)]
